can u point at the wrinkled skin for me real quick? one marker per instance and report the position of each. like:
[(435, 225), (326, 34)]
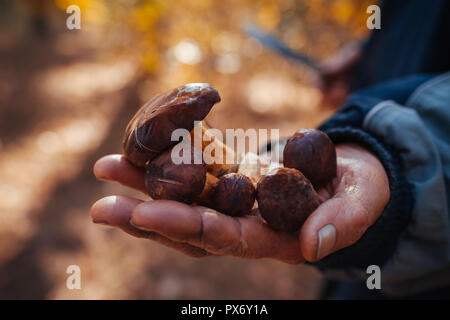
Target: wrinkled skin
[(352, 202)]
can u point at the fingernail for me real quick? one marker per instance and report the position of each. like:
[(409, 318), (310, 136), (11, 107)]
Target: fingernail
[(327, 240), (139, 227), (99, 171)]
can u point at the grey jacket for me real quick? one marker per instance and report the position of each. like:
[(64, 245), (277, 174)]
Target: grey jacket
[(415, 128)]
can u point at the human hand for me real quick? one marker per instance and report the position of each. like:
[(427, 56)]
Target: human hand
[(350, 204), (336, 74)]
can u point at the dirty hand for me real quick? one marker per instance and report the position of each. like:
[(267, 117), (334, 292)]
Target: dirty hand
[(350, 204)]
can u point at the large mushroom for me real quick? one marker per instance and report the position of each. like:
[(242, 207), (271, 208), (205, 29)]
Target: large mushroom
[(149, 132)]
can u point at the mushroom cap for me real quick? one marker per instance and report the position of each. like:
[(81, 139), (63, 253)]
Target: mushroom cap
[(179, 182), (285, 199), (149, 131), (312, 153), (234, 194)]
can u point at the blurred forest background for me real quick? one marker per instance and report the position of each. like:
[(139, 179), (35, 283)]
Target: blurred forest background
[(65, 99)]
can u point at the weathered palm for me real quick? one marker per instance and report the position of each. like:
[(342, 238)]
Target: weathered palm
[(351, 203)]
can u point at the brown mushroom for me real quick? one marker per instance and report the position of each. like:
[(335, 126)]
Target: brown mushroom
[(312, 153), (149, 132), (285, 199), (180, 182), (252, 166), (234, 194), (147, 143)]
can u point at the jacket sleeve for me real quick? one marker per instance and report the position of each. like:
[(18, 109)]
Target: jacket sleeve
[(384, 119)]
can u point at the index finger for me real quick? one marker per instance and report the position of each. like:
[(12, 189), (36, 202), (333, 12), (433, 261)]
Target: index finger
[(115, 211), (247, 236)]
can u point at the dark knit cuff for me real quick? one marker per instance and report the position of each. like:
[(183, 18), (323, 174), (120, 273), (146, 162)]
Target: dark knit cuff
[(379, 242)]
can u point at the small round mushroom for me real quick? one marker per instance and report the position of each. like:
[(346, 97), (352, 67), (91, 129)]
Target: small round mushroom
[(149, 133), (220, 159), (285, 199), (234, 194), (180, 182), (312, 153)]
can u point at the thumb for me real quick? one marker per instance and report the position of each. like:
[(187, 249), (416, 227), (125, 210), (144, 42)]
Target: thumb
[(335, 224)]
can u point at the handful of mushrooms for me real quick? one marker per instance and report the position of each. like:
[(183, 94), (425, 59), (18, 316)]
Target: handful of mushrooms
[(285, 196)]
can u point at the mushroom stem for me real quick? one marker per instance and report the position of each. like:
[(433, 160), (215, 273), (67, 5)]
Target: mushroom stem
[(252, 166), (216, 164), (208, 190), (149, 133)]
